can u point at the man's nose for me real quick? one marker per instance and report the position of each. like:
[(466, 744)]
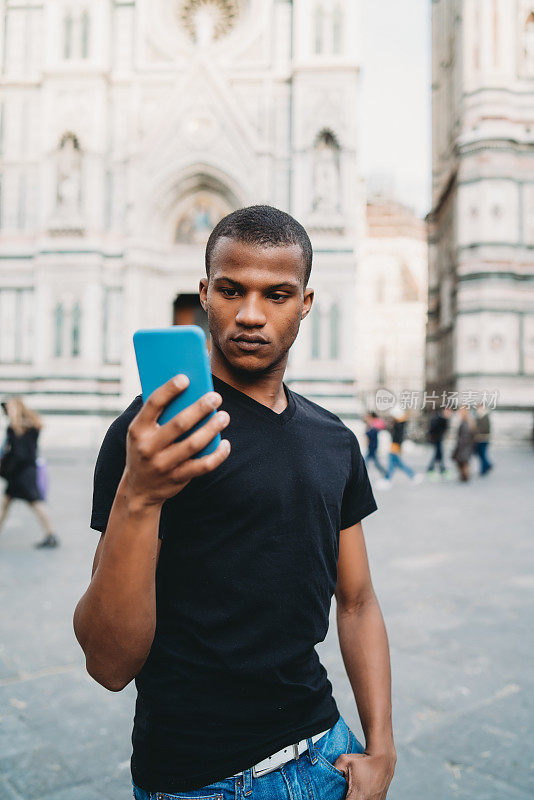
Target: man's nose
[(250, 312)]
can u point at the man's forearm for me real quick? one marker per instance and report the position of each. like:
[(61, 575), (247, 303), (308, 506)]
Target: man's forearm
[(115, 619), (364, 647)]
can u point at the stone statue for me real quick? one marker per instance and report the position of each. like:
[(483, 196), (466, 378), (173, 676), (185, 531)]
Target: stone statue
[(326, 175), (529, 46), (69, 177)]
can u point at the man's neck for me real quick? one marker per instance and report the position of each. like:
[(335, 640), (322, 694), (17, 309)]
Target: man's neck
[(265, 388)]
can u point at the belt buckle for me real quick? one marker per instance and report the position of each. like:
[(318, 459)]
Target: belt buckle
[(257, 772)]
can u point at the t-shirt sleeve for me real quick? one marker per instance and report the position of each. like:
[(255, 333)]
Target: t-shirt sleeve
[(358, 499), (110, 467), (108, 473)]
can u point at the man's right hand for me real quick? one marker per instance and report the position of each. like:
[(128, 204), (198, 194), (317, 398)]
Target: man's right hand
[(157, 466)]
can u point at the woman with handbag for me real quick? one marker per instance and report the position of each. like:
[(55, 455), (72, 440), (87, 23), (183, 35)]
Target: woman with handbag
[(18, 466)]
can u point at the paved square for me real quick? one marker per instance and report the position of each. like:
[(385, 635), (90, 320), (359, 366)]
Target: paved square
[(453, 567)]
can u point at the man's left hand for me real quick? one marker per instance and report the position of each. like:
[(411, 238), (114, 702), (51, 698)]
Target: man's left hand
[(368, 775)]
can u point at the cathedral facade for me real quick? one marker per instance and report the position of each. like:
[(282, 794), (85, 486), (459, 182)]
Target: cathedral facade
[(480, 335), (391, 285), (128, 128)]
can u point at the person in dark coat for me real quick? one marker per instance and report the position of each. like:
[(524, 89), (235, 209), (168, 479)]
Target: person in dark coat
[(436, 431), (19, 465), (482, 437), (465, 442)]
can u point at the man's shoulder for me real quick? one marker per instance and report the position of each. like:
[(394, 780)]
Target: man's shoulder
[(119, 426), (317, 413)]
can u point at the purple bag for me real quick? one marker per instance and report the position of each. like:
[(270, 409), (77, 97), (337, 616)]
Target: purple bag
[(42, 478)]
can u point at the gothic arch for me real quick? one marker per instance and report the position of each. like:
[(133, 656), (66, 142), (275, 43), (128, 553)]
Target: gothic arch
[(327, 136), (73, 138), (200, 209), (189, 202)]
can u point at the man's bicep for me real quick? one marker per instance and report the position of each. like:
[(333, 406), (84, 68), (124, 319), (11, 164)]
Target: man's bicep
[(354, 584), (98, 553)]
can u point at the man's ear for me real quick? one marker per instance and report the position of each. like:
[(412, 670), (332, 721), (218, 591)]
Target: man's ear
[(308, 302), (203, 293)]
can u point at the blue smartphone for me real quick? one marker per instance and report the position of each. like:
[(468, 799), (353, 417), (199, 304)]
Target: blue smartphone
[(161, 354)]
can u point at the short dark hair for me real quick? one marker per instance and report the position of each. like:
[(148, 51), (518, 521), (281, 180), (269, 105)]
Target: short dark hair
[(263, 225)]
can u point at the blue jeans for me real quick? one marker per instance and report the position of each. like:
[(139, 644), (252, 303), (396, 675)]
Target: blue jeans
[(312, 777), (396, 462), (485, 464), (437, 457), (372, 455)]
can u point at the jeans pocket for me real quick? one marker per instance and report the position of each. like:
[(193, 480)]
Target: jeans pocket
[(330, 746), (321, 759), (328, 782)]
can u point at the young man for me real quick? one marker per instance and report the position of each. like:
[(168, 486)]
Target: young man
[(218, 618)]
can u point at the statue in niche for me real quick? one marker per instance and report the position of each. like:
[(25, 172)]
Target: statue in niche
[(529, 45), (69, 177), (326, 179)]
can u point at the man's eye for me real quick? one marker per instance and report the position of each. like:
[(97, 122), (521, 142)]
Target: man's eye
[(229, 292), (278, 296)]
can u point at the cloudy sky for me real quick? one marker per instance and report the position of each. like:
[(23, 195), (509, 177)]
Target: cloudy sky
[(396, 99)]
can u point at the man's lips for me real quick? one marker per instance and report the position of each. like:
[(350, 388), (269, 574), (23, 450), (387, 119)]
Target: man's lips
[(249, 343)]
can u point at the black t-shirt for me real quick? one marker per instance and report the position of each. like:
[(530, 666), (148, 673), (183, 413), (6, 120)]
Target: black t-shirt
[(244, 582)]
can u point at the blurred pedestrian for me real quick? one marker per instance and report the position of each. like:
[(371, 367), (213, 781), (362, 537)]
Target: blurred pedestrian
[(482, 437), (373, 426), (464, 442), (439, 423), (395, 461), (18, 465)]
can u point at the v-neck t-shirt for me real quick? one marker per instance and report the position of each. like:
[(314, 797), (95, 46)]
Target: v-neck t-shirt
[(246, 573)]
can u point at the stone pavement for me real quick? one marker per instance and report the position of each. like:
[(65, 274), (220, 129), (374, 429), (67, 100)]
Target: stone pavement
[(453, 567)]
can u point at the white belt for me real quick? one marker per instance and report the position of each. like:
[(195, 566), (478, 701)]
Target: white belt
[(281, 756)]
